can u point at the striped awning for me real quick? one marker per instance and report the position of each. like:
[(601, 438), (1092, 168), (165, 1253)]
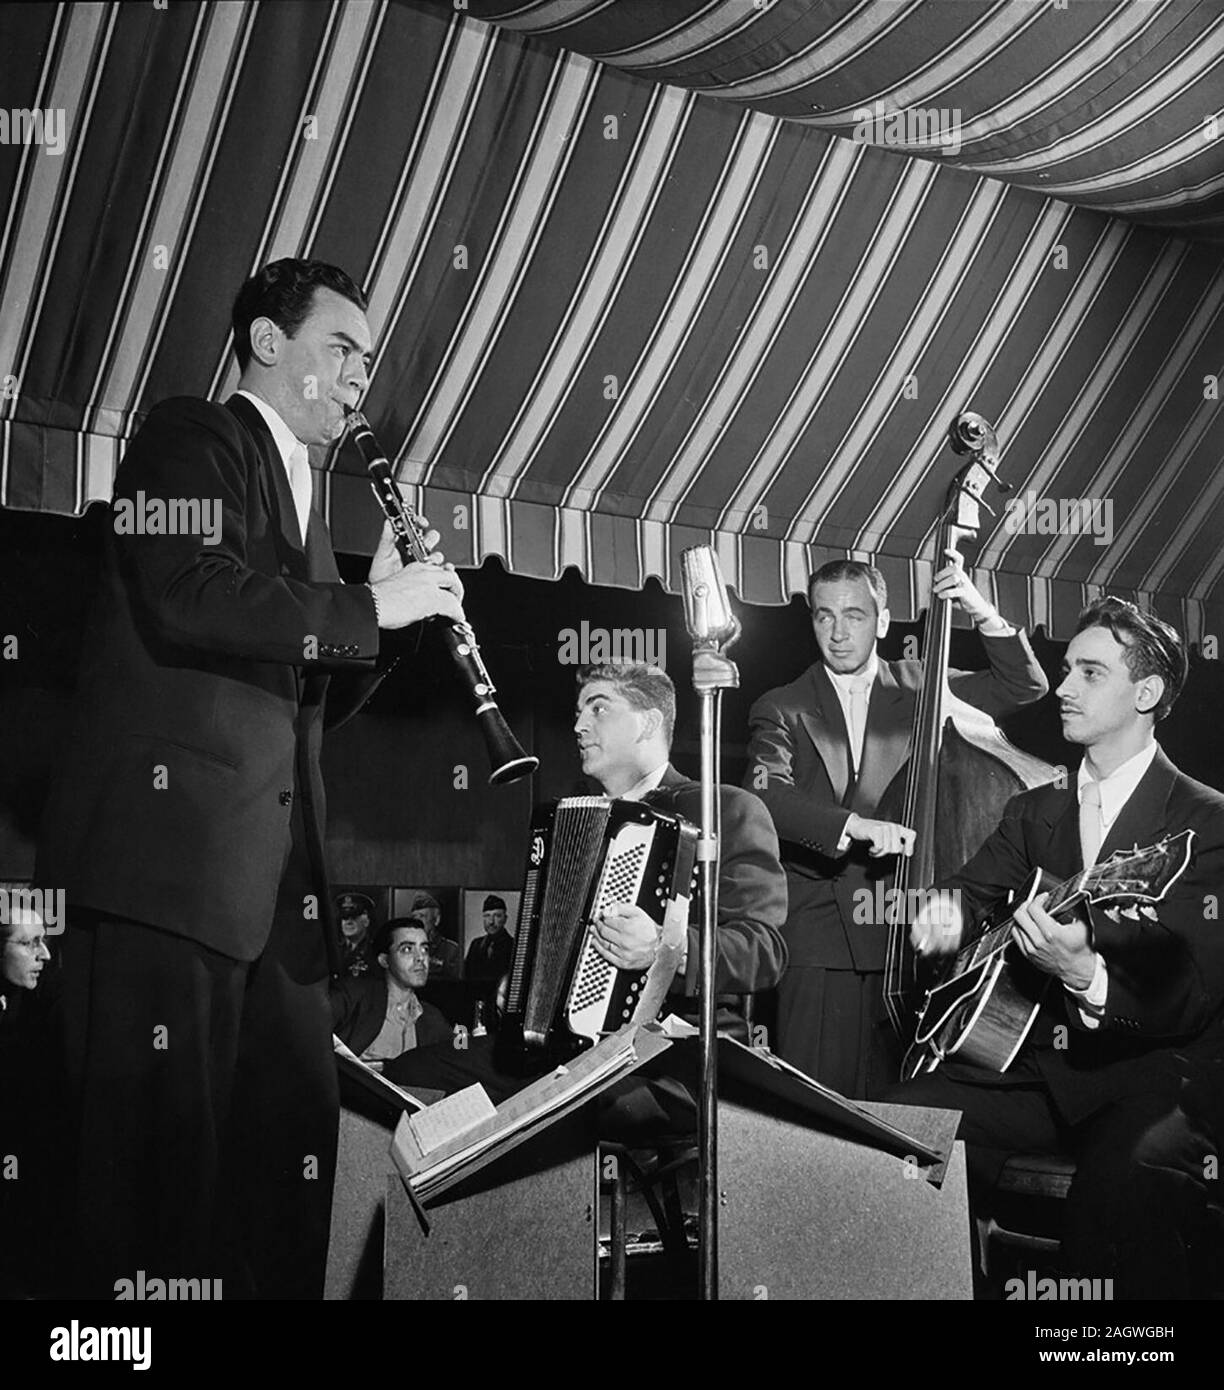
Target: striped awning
[(1110, 104), (616, 316)]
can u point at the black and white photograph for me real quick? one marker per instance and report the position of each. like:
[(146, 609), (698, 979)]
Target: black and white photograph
[(610, 620)]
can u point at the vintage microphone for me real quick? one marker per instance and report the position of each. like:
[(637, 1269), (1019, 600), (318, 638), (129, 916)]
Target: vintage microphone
[(506, 757), (713, 628)]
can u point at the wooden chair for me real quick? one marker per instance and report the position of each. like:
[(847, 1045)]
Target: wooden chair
[(1041, 1177)]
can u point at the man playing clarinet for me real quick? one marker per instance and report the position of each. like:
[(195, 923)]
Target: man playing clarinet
[(187, 826)]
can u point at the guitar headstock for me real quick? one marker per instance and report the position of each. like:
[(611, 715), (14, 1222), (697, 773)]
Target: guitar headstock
[(1138, 875)]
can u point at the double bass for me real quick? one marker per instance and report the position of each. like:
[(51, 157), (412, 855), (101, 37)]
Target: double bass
[(962, 770)]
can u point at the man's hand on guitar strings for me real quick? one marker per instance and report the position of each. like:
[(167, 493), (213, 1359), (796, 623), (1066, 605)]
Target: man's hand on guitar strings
[(1063, 949)]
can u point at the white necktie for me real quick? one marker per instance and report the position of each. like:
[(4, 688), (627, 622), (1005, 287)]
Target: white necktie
[(1090, 822), (303, 491), (860, 694)]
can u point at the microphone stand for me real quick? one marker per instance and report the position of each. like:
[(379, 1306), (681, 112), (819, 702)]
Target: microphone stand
[(712, 674)]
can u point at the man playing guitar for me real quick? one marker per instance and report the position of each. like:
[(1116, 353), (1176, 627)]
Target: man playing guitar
[(1123, 1067)]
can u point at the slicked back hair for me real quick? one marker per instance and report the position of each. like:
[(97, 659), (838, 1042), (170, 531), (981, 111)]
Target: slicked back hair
[(644, 687), (1152, 647), (284, 292), (838, 571)]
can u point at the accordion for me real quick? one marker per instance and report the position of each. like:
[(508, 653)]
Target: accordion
[(587, 853)]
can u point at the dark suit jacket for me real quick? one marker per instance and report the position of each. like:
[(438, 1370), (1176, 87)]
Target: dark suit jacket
[(1166, 975), (201, 696), (359, 1008), (799, 764), (751, 953)]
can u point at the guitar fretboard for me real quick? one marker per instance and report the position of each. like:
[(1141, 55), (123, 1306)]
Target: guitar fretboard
[(994, 939)]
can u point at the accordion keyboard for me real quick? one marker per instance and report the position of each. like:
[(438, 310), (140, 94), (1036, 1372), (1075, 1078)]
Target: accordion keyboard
[(595, 1005)]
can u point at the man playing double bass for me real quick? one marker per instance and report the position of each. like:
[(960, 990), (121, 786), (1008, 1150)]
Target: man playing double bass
[(821, 752)]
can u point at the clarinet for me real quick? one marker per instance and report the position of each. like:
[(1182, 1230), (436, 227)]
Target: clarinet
[(506, 757)]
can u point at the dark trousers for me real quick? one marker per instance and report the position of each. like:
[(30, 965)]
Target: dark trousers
[(1143, 1209), (206, 1107), (833, 1027)]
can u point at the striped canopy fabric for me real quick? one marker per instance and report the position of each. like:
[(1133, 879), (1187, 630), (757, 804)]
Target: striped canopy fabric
[(1110, 104), (616, 315)]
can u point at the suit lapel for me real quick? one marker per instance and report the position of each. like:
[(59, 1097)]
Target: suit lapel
[(275, 489), (1144, 811), (1062, 857), (826, 727), (278, 502), (886, 743)]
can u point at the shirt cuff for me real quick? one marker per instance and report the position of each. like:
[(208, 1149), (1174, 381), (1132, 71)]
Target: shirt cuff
[(1091, 1001), (996, 626)]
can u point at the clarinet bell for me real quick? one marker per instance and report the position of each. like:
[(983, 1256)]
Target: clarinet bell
[(506, 756)]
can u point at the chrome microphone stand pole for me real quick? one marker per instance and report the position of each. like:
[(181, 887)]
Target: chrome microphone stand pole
[(712, 674)]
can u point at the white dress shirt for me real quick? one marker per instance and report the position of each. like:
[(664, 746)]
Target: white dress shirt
[(287, 444), (842, 687), (1116, 790)]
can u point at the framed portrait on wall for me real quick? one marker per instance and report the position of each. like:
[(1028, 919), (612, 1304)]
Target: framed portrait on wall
[(474, 927), (490, 918), (359, 910)]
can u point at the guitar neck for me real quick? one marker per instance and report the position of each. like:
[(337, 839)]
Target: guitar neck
[(1069, 893)]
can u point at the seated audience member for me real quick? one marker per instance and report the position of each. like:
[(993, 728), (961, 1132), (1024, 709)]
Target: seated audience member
[(355, 913), (379, 1016), (30, 1096)]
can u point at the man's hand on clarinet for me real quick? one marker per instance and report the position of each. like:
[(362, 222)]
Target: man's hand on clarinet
[(626, 937), (387, 562), (884, 836), (405, 594)]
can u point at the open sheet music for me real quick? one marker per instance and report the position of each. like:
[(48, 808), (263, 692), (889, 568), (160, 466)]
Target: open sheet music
[(433, 1153)]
